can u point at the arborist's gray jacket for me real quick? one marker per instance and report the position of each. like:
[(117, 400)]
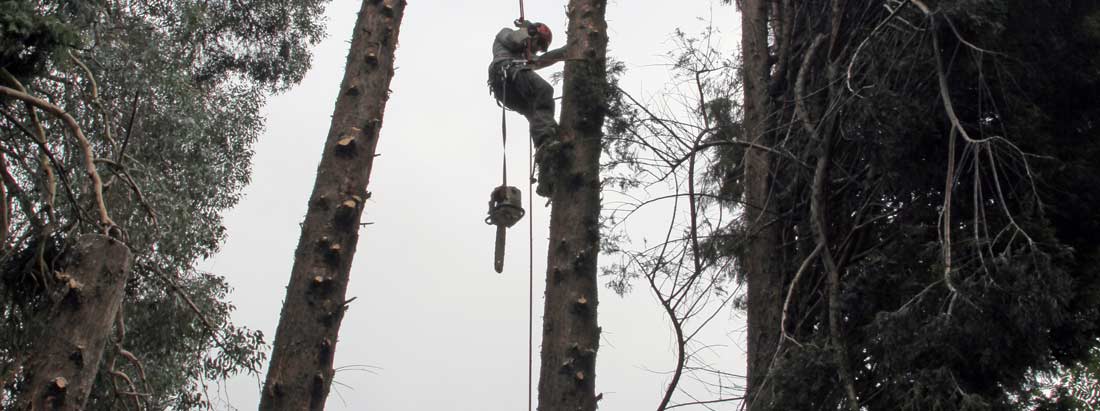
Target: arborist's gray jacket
[(511, 45)]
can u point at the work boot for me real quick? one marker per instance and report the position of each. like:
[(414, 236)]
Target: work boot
[(547, 158)]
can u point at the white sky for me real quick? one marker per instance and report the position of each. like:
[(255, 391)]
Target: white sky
[(437, 327)]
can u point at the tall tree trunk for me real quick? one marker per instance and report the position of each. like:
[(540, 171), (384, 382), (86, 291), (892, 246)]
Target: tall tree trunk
[(300, 373), (570, 336), (764, 281), (60, 372)]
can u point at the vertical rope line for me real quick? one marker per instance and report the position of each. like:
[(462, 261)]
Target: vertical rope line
[(531, 269), (504, 126), (530, 253)]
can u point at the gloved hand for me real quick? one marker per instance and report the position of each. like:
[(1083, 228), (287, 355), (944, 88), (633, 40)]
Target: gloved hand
[(521, 23)]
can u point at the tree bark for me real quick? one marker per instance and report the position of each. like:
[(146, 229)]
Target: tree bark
[(570, 336), (300, 373), (765, 285), (60, 372)]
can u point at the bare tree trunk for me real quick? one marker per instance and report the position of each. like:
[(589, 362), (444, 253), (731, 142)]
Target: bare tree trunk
[(570, 336), (60, 371), (300, 373), (765, 285)]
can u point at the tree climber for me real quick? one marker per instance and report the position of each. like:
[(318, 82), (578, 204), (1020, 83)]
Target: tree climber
[(513, 82)]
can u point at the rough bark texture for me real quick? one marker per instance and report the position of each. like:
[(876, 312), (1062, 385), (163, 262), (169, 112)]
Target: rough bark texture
[(570, 336), (300, 373), (59, 374), (764, 282)]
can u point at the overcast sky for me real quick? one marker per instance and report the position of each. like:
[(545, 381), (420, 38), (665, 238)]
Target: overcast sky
[(433, 327)]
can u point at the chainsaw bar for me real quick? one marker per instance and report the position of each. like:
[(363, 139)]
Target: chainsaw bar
[(498, 254)]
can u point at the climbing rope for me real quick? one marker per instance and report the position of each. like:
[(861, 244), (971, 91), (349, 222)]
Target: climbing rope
[(530, 265), (505, 219), (530, 252), (504, 130)]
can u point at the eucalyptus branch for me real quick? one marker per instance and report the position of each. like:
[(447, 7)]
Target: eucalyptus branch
[(96, 101), (17, 192), (89, 159), (5, 214), (120, 330), (39, 136), (120, 156), (130, 382), (122, 171), (206, 322), (45, 149)]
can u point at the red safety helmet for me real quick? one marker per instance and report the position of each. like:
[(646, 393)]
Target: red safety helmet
[(543, 37)]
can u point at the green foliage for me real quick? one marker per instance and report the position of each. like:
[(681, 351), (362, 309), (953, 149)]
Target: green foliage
[(28, 39), (1019, 298), (178, 88)]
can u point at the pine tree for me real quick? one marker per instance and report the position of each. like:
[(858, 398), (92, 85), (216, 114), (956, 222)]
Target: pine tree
[(300, 374), (761, 274), (570, 335), (935, 252)]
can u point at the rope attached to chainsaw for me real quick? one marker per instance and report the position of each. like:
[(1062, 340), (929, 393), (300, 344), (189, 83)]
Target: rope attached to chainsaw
[(530, 235), (504, 131), (530, 251), (530, 219)]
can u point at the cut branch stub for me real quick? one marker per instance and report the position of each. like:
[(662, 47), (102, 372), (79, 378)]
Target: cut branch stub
[(77, 356), (333, 254), (567, 365), (371, 56), (347, 213), (322, 284), (72, 292), (346, 145), (581, 305), (56, 393), (326, 353), (579, 262)]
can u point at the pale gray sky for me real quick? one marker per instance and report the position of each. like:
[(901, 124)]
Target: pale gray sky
[(438, 329)]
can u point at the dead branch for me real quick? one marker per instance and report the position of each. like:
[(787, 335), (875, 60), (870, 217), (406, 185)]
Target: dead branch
[(130, 382), (790, 296), (821, 176)]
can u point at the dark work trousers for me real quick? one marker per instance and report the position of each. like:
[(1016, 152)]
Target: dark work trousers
[(520, 89)]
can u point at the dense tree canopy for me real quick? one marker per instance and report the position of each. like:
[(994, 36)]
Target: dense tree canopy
[(916, 186), (955, 144), (168, 94), (931, 176)]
